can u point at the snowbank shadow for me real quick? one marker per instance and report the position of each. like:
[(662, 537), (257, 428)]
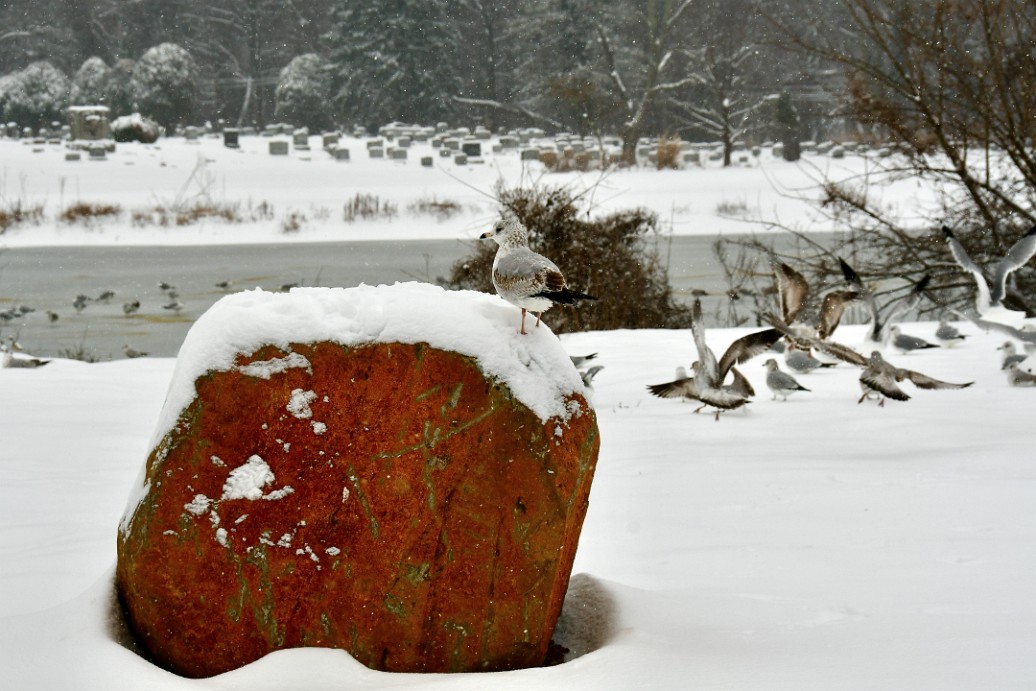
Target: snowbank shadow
[(588, 616)]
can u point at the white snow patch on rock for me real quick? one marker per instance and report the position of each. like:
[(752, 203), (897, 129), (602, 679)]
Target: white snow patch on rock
[(264, 369), (299, 403)]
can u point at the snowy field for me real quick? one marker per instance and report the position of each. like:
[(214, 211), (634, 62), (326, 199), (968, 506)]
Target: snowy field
[(307, 191), (808, 544)]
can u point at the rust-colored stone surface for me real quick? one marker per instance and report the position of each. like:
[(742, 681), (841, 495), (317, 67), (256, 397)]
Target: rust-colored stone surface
[(387, 500)]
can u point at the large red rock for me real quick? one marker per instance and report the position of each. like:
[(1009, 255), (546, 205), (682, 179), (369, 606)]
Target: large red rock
[(389, 499)]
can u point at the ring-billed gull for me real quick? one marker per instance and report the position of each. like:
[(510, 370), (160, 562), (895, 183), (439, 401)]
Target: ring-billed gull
[(878, 329), (580, 360), (793, 290), (989, 297), (947, 334), (1010, 356), (905, 343), (801, 360), (1016, 376), (878, 377), (524, 278), (7, 358), (780, 383)]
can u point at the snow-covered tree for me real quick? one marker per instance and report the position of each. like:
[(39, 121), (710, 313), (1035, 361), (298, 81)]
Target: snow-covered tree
[(303, 91), (165, 84), (37, 95), (119, 95), (645, 58), (90, 83), (392, 61)]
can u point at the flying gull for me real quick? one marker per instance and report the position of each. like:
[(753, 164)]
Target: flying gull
[(524, 278), (580, 360), (793, 290), (780, 383), (990, 295), (588, 375), (878, 330)]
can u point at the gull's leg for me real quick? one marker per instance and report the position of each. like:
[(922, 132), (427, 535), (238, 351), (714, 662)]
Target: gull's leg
[(523, 322), (538, 315)]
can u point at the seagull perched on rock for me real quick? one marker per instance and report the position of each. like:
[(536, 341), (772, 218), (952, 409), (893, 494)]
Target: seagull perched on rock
[(947, 334), (780, 383), (905, 343), (878, 332), (524, 278), (989, 297)]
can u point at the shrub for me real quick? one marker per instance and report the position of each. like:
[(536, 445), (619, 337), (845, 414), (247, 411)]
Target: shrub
[(90, 83), (668, 155), (85, 212), (14, 213), (610, 257), (165, 84), (303, 92), (36, 96)]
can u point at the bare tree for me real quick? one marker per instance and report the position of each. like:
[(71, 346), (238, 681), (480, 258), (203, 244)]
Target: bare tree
[(949, 83), (646, 65)]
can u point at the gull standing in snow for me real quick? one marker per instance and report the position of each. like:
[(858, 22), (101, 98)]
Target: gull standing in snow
[(947, 334), (905, 343), (1010, 355), (989, 297), (878, 376), (7, 358), (1016, 376), (780, 383), (800, 360), (524, 278)]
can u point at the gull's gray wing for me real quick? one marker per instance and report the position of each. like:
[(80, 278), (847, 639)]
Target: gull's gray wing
[(1016, 257)]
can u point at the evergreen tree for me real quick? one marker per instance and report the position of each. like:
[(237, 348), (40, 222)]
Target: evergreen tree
[(392, 61), (302, 92), (787, 121), (90, 83), (36, 96), (165, 84)]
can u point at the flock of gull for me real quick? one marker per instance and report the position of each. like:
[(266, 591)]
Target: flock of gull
[(534, 283), (801, 336)]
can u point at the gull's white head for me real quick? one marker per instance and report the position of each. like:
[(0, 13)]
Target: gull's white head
[(508, 231)]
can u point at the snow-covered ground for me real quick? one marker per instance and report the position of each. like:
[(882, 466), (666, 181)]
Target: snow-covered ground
[(807, 544), (307, 191)]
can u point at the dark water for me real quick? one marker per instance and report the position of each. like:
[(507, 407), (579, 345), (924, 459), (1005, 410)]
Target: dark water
[(50, 279)]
